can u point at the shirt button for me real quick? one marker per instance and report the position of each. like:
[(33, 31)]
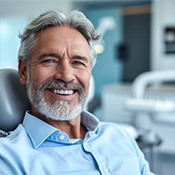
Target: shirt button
[(61, 137)]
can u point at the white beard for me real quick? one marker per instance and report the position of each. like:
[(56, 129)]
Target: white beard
[(60, 109)]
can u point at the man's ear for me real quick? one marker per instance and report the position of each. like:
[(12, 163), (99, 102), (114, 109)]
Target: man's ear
[(22, 70)]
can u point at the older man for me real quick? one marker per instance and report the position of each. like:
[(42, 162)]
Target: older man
[(57, 136)]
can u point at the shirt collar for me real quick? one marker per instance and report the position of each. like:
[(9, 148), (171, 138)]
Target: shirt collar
[(39, 131), (89, 120)]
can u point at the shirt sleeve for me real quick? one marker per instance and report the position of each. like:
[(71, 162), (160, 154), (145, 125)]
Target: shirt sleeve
[(145, 169), (144, 165)]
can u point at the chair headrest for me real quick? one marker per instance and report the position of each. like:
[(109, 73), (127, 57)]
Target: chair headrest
[(13, 100)]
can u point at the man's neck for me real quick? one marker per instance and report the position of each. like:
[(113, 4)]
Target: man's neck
[(73, 128)]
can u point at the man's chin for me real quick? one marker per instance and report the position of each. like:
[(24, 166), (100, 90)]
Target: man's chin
[(62, 115)]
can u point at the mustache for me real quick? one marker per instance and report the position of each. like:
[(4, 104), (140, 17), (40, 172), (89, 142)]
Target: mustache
[(54, 84)]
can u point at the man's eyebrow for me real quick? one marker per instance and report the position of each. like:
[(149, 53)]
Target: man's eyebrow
[(81, 58), (49, 54)]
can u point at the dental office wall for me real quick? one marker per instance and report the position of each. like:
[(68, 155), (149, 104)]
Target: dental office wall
[(163, 16), (108, 68)]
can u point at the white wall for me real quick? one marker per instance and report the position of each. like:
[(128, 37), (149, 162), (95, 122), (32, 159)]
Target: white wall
[(163, 15), (31, 7)]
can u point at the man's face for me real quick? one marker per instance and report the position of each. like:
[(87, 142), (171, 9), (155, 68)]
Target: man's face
[(58, 78)]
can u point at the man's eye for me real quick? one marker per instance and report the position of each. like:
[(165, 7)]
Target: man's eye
[(79, 63), (49, 61)]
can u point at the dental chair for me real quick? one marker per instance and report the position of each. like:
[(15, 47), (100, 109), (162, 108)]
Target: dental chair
[(13, 101), (153, 97), (156, 106)]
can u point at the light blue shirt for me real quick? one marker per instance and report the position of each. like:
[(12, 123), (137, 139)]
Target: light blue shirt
[(37, 148)]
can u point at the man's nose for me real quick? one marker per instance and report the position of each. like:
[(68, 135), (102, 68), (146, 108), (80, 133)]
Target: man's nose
[(65, 72)]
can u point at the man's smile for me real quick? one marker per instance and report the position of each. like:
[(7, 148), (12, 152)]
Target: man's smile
[(63, 91)]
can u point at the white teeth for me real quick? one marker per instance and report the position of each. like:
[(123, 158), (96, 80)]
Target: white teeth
[(63, 92)]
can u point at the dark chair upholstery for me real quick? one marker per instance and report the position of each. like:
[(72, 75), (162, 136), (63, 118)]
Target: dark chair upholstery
[(13, 100)]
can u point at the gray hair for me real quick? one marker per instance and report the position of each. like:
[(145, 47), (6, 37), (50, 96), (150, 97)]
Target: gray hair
[(75, 19)]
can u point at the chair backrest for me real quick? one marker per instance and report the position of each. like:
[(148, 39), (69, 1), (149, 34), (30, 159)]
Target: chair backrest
[(13, 100)]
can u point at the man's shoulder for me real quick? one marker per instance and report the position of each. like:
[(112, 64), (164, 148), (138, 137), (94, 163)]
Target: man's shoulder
[(111, 125), (118, 129), (15, 139)]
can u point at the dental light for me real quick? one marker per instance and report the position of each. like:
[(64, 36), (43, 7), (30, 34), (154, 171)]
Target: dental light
[(105, 24)]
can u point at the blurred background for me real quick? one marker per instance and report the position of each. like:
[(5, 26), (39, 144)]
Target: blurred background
[(138, 36)]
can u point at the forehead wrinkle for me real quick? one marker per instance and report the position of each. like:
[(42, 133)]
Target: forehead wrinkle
[(63, 46)]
